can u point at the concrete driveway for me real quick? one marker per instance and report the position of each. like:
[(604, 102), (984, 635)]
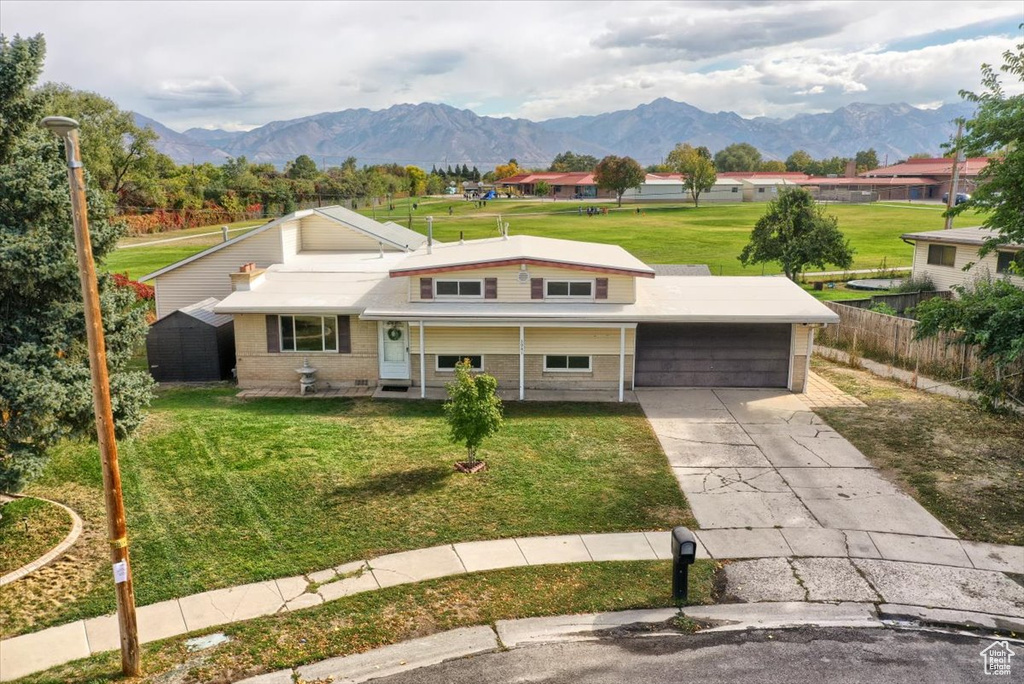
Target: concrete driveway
[(751, 458)]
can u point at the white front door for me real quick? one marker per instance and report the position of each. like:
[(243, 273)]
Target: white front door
[(393, 350)]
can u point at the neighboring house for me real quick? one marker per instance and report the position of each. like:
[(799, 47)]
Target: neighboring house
[(534, 312), (575, 185), (765, 189), (942, 256)]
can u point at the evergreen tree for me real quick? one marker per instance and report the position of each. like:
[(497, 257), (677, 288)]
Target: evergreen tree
[(45, 385)]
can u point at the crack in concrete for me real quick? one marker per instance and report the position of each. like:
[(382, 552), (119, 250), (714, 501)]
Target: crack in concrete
[(798, 578)]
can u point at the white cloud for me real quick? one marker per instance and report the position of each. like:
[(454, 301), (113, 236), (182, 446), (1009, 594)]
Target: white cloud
[(211, 63)]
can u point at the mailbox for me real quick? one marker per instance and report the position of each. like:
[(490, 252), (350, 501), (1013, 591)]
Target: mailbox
[(684, 553)]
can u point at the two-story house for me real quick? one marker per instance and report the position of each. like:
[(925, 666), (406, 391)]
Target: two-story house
[(537, 313)]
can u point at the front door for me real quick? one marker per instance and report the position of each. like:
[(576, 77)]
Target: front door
[(394, 350)]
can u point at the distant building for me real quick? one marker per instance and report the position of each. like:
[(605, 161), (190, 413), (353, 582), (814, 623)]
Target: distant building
[(942, 256), (926, 178)]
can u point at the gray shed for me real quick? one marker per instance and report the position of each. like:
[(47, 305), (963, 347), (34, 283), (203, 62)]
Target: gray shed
[(192, 344)]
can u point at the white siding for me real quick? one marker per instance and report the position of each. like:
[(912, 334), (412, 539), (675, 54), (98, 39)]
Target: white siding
[(210, 276), (944, 277), (323, 234), (291, 239), (621, 288)]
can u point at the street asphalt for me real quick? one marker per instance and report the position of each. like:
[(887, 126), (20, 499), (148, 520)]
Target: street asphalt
[(808, 655)]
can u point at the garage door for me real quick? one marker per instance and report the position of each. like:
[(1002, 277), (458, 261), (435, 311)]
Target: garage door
[(712, 355)]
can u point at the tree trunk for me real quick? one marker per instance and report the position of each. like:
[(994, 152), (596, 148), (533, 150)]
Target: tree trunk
[(620, 199)]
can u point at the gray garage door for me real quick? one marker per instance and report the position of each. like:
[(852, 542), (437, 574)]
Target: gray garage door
[(712, 355)]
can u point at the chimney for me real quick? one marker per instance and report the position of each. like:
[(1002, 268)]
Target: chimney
[(430, 235), (851, 168), (247, 278)]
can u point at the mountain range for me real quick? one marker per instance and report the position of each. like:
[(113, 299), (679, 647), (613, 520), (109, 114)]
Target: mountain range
[(437, 134)]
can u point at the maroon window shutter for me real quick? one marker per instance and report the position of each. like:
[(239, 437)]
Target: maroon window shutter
[(601, 289), (344, 335), (273, 335), (490, 288), (426, 288), (536, 288)]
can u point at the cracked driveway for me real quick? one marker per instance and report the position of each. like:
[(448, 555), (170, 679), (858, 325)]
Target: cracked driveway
[(754, 458)]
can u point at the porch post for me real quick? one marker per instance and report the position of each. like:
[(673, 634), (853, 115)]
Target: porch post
[(622, 361), (522, 359), (423, 365)]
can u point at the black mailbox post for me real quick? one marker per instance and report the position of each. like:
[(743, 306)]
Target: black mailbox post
[(684, 553)]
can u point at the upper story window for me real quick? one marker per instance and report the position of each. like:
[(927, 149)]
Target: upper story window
[(1005, 259), (941, 255), (569, 289), (459, 288), (309, 333)]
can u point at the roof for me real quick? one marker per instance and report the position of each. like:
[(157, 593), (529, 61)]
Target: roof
[(961, 236), (681, 270), (861, 180), (682, 299), (391, 233), (930, 167), (520, 249), (743, 175), (317, 282), (203, 311), (773, 180), (551, 178)]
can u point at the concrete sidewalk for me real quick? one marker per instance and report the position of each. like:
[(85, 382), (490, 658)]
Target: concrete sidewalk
[(893, 565)]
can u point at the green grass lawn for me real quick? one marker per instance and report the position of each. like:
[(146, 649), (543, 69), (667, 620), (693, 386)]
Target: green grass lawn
[(221, 491), (712, 234), (365, 621), (28, 529)]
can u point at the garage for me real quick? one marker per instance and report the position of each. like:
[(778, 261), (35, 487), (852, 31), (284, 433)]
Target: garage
[(712, 355)]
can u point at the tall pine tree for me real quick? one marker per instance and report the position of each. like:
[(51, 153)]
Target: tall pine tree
[(45, 386)]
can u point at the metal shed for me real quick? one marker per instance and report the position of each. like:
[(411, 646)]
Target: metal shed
[(192, 344)]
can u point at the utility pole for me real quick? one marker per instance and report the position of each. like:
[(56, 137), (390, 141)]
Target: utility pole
[(67, 130), (954, 185)]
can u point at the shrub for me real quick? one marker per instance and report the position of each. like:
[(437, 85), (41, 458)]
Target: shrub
[(921, 283)]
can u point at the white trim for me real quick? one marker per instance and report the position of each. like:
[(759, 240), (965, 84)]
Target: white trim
[(500, 323), (381, 332), (928, 255), (570, 297), (622, 361), (792, 357), (423, 364), (437, 362), (457, 297), (588, 369), (522, 362)]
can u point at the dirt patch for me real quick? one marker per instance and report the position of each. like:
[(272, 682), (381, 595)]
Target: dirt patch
[(966, 466)]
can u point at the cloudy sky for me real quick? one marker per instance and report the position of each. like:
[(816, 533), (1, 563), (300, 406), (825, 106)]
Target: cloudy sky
[(237, 65)]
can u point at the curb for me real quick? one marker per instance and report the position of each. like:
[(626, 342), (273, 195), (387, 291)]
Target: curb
[(54, 553), (459, 643)]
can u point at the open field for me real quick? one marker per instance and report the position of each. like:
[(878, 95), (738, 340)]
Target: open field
[(221, 491), (964, 465), (712, 234), (365, 621)]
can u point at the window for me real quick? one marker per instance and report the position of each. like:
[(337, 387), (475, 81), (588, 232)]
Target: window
[(459, 288), (760, 189), (1004, 260), (567, 363), (309, 333), (446, 362), (941, 255), (569, 288), (735, 189)]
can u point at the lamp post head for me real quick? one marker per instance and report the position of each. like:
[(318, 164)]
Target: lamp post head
[(60, 125)]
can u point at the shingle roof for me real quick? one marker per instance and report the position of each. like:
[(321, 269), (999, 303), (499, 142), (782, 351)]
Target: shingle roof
[(975, 235), (929, 167), (389, 232), (203, 311)]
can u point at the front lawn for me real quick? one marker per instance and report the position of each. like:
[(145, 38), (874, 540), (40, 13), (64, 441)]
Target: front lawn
[(28, 529), (964, 465), (221, 491), (370, 620)]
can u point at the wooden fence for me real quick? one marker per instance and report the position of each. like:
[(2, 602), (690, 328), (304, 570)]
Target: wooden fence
[(900, 301), (890, 339)]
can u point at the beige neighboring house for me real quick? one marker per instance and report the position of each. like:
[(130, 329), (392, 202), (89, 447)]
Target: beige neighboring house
[(537, 313), (942, 256)]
